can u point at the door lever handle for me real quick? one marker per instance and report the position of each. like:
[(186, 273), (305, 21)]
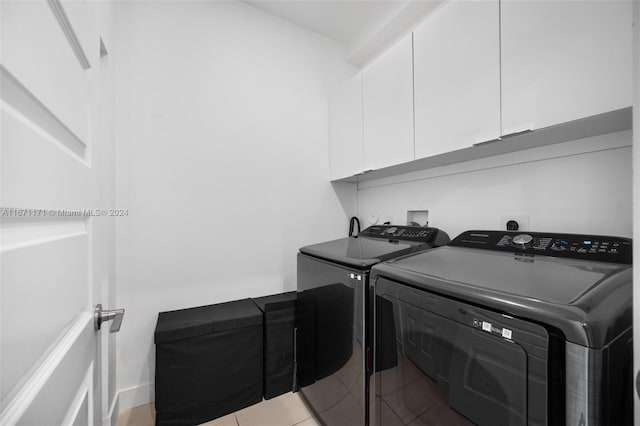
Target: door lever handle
[(102, 315)]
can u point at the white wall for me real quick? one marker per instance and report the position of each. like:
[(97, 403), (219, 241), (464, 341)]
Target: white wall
[(576, 187), (222, 162)]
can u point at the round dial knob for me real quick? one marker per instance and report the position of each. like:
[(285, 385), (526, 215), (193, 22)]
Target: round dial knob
[(391, 230), (522, 239)]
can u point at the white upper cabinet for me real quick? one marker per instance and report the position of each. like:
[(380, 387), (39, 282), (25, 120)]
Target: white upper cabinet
[(387, 88), (474, 71), (345, 129), (457, 77), (563, 60)]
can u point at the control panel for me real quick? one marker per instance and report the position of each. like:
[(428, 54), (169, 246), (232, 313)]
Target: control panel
[(588, 247), (397, 232)]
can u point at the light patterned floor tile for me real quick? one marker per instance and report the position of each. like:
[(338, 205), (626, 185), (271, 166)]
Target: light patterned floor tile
[(143, 415), (228, 420), (285, 410), (309, 422)]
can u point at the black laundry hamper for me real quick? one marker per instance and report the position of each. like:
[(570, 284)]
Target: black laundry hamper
[(208, 362), (279, 312)]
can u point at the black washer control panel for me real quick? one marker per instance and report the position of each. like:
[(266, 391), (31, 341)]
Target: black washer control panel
[(575, 246), (397, 232)]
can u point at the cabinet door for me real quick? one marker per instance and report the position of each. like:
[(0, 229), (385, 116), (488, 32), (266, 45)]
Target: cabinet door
[(345, 129), (563, 60), (457, 77), (387, 92)]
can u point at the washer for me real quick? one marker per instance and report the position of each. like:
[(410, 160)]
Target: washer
[(332, 316), (506, 328)]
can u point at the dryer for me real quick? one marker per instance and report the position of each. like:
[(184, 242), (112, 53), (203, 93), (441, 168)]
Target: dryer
[(502, 328)]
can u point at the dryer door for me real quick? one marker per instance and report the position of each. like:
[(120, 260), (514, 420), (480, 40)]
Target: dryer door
[(456, 364)]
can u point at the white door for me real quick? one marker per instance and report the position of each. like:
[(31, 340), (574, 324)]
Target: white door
[(54, 161)]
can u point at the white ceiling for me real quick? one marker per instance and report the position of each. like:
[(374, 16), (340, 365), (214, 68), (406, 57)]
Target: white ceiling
[(348, 21)]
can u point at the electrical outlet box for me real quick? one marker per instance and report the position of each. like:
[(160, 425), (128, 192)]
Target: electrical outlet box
[(418, 217), (521, 218)]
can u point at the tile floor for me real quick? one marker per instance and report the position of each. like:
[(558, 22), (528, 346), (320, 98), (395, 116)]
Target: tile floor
[(337, 398), (285, 410)]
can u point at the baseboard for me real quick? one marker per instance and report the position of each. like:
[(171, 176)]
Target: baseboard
[(129, 398)]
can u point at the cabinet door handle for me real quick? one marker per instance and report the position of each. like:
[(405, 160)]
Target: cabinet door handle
[(518, 133), (363, 172), (487, 142), (503, 137)]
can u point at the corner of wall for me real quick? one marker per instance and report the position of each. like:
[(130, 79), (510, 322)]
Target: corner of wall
[(129, 398), (347, 194)]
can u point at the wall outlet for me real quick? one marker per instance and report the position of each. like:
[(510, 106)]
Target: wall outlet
[(521, 218)]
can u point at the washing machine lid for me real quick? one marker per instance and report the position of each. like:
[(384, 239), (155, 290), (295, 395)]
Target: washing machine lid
[(549, 279), (359, 252), (588, 300), (376, 244)]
